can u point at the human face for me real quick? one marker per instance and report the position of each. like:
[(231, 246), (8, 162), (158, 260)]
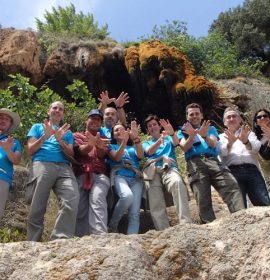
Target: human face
[(110, 117), (5, 123), (118, 132), (153, 128), (232, 120), (56, 112), (262, 118), (194, 116), (93, 124)]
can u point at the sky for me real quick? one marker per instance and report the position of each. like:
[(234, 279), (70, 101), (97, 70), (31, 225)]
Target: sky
[(127, 20)]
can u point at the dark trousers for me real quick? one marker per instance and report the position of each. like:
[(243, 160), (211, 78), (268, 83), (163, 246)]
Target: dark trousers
[(251, 183)]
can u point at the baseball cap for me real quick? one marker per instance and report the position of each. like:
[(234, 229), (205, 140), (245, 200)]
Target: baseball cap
[(95, 112)]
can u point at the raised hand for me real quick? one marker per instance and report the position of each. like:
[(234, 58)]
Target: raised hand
[(243, 136), (104, 98), (134, 130), (122, 99), (7, 145), (102, 143), (204, 128), (59, 133), (168, 129), (48, 130), (188, 129), (230, 136), (266, 130)]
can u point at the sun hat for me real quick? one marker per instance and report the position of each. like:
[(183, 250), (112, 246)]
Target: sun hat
[(14, 116)]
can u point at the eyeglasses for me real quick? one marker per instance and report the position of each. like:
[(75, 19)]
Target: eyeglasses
[(262, 116), (234, 116)]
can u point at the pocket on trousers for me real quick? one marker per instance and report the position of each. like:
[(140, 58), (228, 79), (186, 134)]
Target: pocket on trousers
[(193, 177), (29, 190)]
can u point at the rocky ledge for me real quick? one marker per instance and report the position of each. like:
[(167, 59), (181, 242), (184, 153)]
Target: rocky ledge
[(232, 247)]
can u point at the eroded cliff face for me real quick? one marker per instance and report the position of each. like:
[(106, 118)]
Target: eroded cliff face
[(235, 247), (158, 78)]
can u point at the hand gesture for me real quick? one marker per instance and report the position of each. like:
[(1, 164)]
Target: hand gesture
[(167, 126), (134, 130), (122, 99), (48, 130), (188, 129), (204, 128), (7, 145), (266, 130), (102, 143), (104, 98), (230, 136), (243, 136), (59, 133)]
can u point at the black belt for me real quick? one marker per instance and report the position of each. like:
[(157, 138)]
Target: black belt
[(243, 165), (202, 156)]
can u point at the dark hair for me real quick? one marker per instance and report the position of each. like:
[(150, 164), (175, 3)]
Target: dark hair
[(194, 105), (113, 141), (257, 129), (149, 118)]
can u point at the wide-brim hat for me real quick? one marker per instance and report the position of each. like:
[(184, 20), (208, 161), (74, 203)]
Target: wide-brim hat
[(14, 116)]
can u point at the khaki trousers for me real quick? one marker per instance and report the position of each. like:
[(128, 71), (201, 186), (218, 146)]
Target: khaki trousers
[(174, 184)]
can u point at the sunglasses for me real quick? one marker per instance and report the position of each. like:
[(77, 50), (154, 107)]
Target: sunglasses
[(262, 116)]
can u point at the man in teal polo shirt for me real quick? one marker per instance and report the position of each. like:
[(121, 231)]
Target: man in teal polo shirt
[(10, 153), (51, 147), (199, 141)]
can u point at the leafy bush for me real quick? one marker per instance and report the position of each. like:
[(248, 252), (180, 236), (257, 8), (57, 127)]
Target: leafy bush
[(32, 105), (66, 23)]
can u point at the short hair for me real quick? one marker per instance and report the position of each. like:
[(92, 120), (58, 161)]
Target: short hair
[(233, 108), (194, 105), (57, 101), (149, 118)]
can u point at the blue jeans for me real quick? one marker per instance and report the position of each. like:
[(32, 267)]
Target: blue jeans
[(129, 191), (251, 183)]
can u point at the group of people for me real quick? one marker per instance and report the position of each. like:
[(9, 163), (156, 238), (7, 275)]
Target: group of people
[(83, 167)]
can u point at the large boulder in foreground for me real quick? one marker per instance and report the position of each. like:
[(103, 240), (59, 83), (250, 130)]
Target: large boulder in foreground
[(234, 247)]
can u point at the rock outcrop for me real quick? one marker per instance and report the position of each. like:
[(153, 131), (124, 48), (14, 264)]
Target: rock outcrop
[(159, 79), (235, 247)]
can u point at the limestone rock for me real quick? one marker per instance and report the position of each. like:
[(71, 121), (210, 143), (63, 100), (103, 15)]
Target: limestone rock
[(19, 53), (235, 247)]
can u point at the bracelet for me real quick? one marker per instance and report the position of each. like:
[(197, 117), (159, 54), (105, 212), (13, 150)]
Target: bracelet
[(172, 134), (246, 142), (204, 137), (119, 107)]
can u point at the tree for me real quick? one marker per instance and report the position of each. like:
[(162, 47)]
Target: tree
[(66, 21), (247, 27)]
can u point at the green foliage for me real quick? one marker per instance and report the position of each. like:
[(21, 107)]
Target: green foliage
[(32, 105), (66, 23), (76, 111), (221, 59), (11, 235), (214, 56), (247, 27)]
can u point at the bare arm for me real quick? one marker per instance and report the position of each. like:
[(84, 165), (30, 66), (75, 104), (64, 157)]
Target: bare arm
[(122, 99), (14, 157)]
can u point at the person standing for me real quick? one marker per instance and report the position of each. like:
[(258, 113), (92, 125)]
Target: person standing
[(199, 141), (91, 174), (239, 147), (51, 148), (161, 171), (10, 153)]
